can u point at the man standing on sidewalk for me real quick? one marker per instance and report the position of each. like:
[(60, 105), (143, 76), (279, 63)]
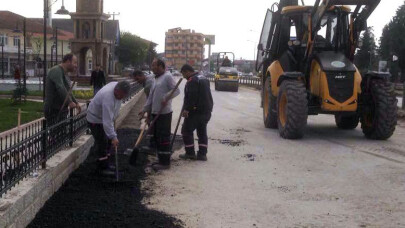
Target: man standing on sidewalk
[(57, 89), (102, 111), (197, 110), (159, 100), (97, 79)]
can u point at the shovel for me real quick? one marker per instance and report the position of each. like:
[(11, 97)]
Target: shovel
[(135, 150), (175, 131)]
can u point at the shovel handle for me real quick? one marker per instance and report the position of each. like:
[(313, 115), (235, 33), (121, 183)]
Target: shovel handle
[(116, 165), (157, 116), (66, 98), (141, 135)]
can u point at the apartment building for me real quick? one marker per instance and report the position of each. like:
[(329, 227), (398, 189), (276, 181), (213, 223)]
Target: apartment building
[(184, 46)]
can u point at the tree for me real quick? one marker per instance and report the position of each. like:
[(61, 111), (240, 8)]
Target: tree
[(150, 55), (132, 50), (392, 42), (365, 57)]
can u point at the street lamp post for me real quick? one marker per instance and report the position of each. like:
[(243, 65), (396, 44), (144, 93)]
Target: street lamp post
[(61, 11), (254, 51), (45, 63), (56, 43)]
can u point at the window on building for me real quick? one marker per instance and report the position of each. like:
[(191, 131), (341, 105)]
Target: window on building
[(16, 40), (90, 65), (3, 40)]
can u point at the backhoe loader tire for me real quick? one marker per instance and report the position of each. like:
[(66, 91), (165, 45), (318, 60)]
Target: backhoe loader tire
[(292, 108), (379, 120), (269, 106), (346, 122)]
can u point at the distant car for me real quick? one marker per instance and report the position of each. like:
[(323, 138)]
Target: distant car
[(250, 74)]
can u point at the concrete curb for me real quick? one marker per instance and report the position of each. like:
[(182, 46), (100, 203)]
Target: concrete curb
[(20, 205)]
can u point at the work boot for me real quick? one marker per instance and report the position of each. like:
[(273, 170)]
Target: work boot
[(164, 160), (190, 154), (159, 166), (201, 156), (186, 156)]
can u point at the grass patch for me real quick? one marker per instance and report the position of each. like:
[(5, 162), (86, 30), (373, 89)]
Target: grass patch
[(9, 113)]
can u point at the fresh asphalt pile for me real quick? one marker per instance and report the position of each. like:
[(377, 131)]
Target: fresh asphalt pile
[(89, 200)]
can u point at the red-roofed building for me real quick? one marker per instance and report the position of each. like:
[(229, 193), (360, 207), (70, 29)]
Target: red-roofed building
[(11, 34)]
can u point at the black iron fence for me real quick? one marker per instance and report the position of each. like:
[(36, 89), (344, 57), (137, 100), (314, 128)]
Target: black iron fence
[(243, 80), (25, 149)]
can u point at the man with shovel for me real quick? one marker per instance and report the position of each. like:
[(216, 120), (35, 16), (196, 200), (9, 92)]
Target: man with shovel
[(58, 95), (197, 110), (159, 104), (103, 110)]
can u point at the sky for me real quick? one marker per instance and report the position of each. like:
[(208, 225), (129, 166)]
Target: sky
[(235, 24)]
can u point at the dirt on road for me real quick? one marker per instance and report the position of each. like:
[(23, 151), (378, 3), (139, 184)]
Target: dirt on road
[(253, 178)]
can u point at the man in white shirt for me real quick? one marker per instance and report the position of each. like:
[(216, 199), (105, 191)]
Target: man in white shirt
[(159, 99), (102, 111)]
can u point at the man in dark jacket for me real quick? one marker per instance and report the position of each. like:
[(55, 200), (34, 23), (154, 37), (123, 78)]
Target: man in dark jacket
[(197, 110), (97, 79), (57, 89)]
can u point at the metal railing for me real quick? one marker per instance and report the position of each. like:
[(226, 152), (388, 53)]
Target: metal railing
[(243, 80), (25, 149)]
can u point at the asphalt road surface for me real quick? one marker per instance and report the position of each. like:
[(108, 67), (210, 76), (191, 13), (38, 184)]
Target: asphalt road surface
[(253, 178)]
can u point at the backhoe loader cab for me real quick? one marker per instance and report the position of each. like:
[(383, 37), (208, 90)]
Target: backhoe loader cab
[(306, 55), (226, 77)]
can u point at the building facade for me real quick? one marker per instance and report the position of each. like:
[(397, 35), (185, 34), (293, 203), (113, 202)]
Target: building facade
[(184, 46)]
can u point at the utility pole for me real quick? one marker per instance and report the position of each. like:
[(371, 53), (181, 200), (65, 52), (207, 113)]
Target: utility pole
[(113, 14), (25, 53)]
